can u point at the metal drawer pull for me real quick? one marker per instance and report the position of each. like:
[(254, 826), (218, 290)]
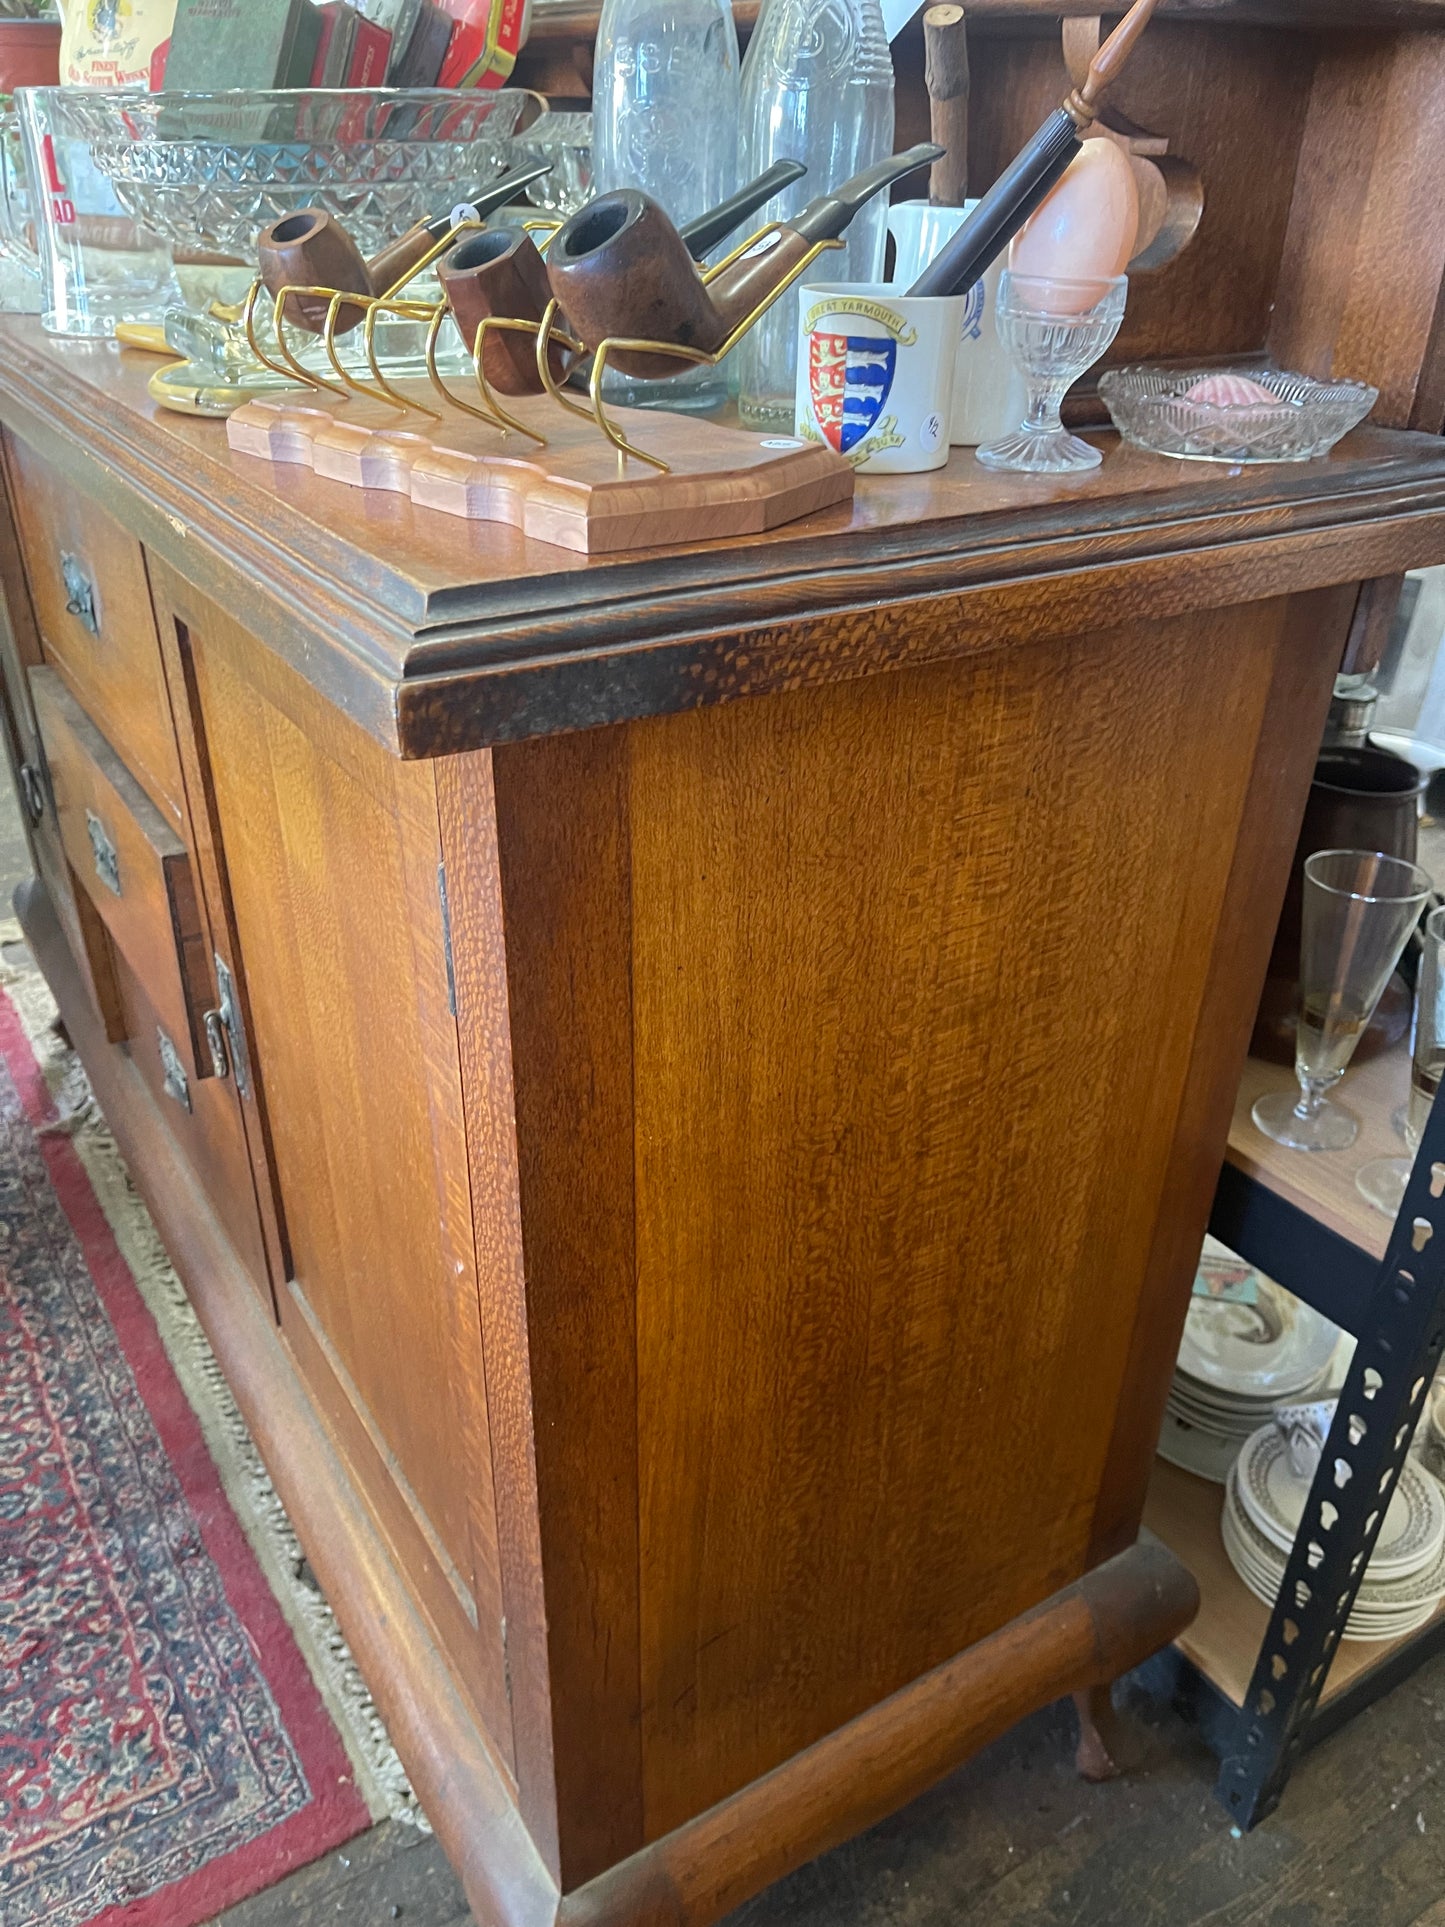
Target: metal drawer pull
[(216, 1041), (107, 858), (177, 1083), (32, 793), (79, 594), (230, 1016)]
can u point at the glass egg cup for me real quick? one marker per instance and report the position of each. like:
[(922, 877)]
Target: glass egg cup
[(1054, 330)]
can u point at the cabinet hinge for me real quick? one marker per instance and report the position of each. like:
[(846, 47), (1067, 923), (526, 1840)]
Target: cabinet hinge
[(447, 938)]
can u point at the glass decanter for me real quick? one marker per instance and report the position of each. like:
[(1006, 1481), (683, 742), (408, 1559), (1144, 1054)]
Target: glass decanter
[(817, 87)]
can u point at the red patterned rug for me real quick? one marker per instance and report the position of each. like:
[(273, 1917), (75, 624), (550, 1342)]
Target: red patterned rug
[(163, 1750)]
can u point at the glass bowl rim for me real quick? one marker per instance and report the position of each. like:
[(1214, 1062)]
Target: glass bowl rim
[(1117, 383), (455, 96)]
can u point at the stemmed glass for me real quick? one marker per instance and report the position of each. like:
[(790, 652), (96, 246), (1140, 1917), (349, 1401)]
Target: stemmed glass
[(1383, 1180), (1359, 909), (1053, 329)]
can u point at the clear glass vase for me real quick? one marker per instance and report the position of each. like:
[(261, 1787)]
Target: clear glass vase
[(817, 87), (665, 119)]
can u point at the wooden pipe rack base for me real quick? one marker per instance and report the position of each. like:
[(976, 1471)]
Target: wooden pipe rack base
[(723, 482)]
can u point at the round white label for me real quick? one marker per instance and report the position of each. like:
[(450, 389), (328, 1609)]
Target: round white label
[(779, 441), (930, 434)]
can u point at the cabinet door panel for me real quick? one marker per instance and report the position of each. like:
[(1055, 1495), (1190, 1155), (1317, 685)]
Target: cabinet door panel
[(331, 851)]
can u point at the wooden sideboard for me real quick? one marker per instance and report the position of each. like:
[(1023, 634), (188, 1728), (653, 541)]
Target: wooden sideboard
[(686, 1087)]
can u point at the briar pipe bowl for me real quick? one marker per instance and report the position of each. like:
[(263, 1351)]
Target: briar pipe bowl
[(311, 249), (499, 274), (620, 269)]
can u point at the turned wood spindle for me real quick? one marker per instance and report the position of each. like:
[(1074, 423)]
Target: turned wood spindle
[(945, 69)]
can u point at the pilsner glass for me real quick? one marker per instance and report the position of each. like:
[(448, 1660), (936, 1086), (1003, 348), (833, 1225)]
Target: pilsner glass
[(1383, 1180), (1359, 909)]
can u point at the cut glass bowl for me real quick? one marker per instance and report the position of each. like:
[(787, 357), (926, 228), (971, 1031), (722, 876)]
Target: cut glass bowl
[(207, 171), (1306, 419)]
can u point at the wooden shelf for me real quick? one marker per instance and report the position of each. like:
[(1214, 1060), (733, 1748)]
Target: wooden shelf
[(1224, 1641), (1322, 1183)]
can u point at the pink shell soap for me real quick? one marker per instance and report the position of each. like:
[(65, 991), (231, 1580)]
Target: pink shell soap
[(1083, 230), (1230, 391)]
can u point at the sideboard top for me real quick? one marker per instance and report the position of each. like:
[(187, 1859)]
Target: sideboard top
[(438, 634)]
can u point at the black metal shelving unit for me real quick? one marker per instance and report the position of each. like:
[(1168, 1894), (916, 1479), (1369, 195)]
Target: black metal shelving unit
[(1395, 1308)]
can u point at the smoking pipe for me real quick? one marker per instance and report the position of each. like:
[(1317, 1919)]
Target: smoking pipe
[(313, 250), (620, 268), (500, 273)]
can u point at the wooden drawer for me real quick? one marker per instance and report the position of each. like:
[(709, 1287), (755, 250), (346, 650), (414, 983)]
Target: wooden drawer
[(91, 597), (133, 868)]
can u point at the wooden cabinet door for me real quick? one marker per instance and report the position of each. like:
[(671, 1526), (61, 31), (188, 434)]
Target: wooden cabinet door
[(327, 851)]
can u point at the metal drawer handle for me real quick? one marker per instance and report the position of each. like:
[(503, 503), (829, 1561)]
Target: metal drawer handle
[(177, 1083), (32, 794), (235, 1031), (79, 594), (107, 857), (216, 1043)]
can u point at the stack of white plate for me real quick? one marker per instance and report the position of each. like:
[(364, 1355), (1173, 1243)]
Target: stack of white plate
[(1237, 1363), (1404, 1581)]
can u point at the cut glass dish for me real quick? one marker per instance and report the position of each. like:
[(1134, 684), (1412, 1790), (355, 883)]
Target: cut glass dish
[(1305, 419)]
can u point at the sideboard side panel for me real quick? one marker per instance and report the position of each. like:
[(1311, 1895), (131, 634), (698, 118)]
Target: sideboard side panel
[(917, 965)]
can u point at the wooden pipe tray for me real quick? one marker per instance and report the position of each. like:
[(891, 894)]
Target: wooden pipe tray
[(722, 482)]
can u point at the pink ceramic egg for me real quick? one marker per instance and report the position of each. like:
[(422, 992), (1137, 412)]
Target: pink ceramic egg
[(1230, 391), (1084, 230)]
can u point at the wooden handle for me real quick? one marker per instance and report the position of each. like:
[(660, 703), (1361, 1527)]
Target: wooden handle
[(945, 58), (1108, 62)]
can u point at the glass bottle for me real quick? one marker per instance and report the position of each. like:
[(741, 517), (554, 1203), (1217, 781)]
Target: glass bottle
[(665, 119), (817, 87)]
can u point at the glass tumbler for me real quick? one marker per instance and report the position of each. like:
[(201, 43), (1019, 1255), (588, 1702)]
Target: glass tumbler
[(1359, 909), (96, 265), (1383, 1180), (1054, 330)]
